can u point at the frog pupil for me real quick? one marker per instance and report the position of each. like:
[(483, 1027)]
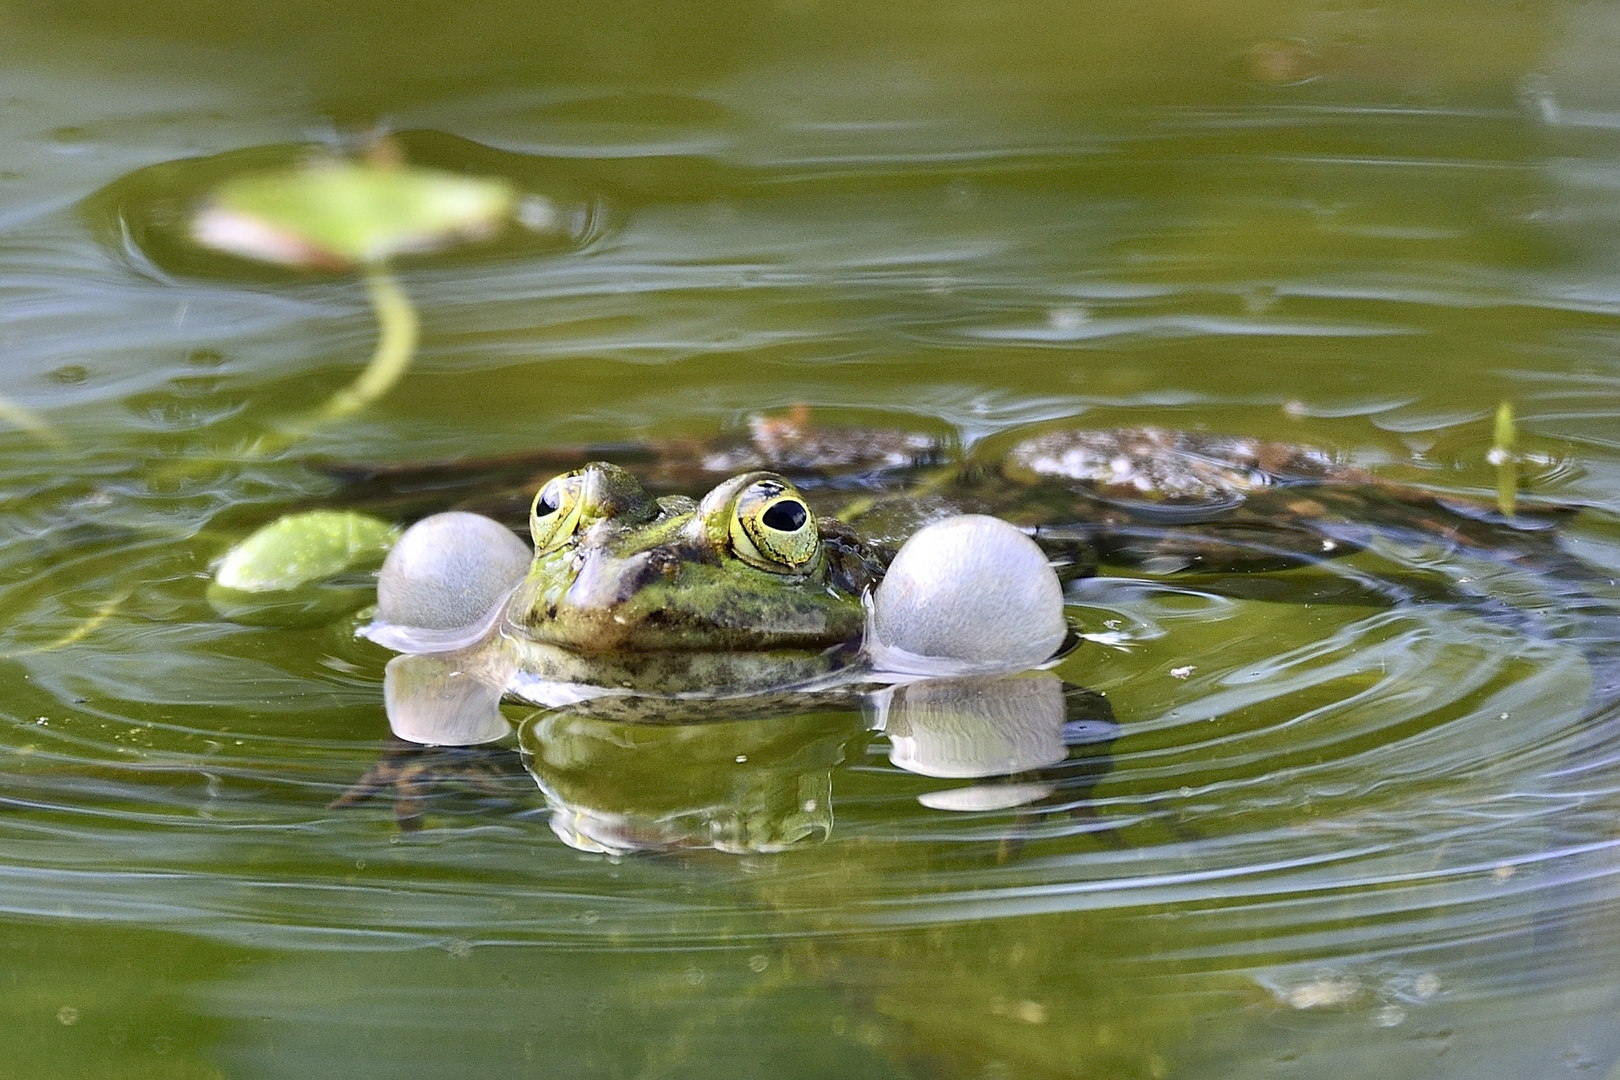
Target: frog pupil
[(547, 503), (785, 516)]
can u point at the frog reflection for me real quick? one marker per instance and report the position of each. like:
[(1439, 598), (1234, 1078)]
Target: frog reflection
[(742, 785), (1033, 738), (762, 781)]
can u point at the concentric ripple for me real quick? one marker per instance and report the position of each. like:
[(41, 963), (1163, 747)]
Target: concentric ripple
[(1288, 781), (1318, 821)]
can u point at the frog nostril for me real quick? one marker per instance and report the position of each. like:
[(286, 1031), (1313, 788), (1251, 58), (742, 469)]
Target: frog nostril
[(786, 516)]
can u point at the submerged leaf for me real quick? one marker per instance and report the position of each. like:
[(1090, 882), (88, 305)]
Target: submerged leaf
[(339, 214), (303, 548)]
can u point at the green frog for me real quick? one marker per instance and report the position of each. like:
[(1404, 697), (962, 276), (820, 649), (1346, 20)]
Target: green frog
[(742, 591), (642, 603), (774, 579)]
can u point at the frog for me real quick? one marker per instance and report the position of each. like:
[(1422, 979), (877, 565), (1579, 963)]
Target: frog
[(742, 591), (731, 578), (764, 580), (746, 590), (714, 579)]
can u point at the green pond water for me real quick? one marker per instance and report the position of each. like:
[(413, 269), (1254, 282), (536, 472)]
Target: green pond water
[(1329, 839)]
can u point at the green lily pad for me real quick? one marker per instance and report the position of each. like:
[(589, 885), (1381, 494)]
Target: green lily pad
[(303, 548), (340, 214)]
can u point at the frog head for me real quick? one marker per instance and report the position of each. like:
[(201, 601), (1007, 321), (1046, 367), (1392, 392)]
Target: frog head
[(661, 594)]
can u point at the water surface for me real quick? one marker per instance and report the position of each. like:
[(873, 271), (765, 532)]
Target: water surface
[(1330, 838)]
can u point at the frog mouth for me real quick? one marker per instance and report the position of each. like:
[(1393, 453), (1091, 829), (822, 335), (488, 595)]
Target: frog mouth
[(555, 676), (671, 599)]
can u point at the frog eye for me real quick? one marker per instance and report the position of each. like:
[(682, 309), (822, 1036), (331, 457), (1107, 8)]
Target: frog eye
[(556, 511), (772, 528)]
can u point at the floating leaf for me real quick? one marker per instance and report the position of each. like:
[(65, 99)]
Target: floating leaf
[(339, 215), (303, 548), (342, 214), (311, 605)]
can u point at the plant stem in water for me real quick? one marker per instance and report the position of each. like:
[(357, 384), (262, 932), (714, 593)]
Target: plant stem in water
[(398, 327), (1504, 456)]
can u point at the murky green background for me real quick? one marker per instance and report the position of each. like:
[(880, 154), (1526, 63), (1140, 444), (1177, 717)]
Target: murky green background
[(1349, 841)]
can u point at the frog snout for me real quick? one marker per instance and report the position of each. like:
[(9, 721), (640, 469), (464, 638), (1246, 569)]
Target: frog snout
[(606, 581)]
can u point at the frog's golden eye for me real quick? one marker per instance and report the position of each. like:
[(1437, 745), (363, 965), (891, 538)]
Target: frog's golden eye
[(556, 511), (772, 528)]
